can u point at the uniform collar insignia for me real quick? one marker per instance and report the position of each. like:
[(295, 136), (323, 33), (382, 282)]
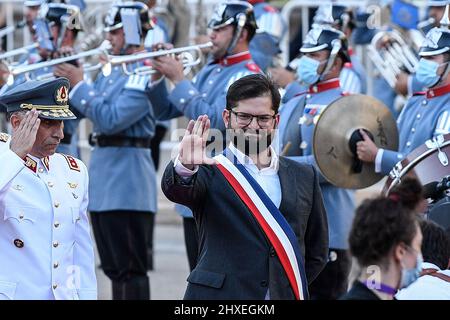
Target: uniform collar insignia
[(350, 51), (46, 162), (4, 137), (439, 91), (30, 164), (234, 59), (324, 86)]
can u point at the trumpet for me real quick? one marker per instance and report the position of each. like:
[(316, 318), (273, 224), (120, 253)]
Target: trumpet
[(25, 69), (188, 59), (19, 51), (391, 55), (7, 30)]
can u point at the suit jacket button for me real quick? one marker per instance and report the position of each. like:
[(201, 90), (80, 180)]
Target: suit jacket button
[(18, 243), (272, 252), (264, 283)]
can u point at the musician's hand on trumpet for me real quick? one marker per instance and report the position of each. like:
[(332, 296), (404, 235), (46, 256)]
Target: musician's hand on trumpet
[(73, 73), (170, 67), (366, 149), (63, 52)]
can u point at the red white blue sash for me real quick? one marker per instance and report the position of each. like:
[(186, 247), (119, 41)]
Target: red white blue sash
[(272, 222)]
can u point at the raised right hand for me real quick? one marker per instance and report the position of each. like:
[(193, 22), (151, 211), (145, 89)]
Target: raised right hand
[(193, 146), (24, 135)]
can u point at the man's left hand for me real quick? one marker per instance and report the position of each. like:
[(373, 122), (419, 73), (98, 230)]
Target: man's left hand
[(69, 71)]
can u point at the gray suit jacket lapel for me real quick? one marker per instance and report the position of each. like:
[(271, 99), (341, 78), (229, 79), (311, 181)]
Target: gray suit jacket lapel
[(288, 180)]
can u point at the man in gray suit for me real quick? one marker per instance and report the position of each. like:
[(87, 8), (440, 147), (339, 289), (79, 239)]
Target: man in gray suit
[(262, 225)]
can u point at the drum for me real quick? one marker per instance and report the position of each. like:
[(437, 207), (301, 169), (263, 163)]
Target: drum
[(439, 212), (428, 163)]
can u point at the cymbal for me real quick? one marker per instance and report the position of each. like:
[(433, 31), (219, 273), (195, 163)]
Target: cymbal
[(337, 132)]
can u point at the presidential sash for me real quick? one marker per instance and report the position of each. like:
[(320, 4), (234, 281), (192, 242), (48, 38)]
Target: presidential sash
[(270, 219)]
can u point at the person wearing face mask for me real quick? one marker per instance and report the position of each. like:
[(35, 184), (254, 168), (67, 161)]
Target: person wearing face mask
[(426, 114), (261, 220), (352, 77), (386, 241), (324, 54), (229, 60), (434, 281)]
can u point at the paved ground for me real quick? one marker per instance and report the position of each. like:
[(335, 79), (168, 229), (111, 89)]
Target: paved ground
[(168, 279)]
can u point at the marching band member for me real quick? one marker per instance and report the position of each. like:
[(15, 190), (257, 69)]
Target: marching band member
[(124, 123), (206, 93), (46, 251), (271, 250), (436, 9), (265, 45), (324, 55), (56, 25), (230, 60), (427, 114), (352, 77)]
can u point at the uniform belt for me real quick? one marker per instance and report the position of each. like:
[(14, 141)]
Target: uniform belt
[(119, 141), (67, 139)]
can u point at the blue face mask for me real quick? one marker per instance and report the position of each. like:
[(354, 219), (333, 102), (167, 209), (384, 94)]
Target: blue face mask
[(426, 73), (307, 70), (411, 275)]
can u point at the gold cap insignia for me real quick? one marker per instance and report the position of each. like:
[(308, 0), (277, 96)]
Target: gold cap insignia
[(62, 95)]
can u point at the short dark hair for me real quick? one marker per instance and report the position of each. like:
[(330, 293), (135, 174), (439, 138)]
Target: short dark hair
[(435, 244), (251, 33), (382, 223), (253, 86)]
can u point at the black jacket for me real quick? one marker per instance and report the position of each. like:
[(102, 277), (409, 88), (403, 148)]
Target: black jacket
[(236, 260), (359, 292)]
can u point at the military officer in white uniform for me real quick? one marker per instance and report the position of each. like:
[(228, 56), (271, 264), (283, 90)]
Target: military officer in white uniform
[(46, 251)]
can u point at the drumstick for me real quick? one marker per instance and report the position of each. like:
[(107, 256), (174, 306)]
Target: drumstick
[(286, 148)]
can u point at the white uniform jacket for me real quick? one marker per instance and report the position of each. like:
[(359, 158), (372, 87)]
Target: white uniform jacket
[(46, 251)]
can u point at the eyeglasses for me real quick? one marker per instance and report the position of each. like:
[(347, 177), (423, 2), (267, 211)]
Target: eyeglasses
[(244, 119)]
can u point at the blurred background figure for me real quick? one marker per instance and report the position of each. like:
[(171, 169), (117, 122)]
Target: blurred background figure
[(386, 241), (434, 282)]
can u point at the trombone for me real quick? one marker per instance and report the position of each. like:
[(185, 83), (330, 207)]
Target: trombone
[(188, 59), (21, 69)]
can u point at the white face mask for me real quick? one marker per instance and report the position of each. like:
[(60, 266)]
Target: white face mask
[(412, 274), (307, 70), (426, 73)]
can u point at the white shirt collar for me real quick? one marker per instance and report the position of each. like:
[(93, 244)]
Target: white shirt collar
[(249, 164)]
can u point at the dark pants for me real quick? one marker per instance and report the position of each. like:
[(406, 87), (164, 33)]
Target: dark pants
[(191, 241), (160, 132), (121, 238), (332, 282)]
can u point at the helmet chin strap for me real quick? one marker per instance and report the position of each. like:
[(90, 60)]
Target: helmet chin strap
[(241, 21), (336, 47)]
